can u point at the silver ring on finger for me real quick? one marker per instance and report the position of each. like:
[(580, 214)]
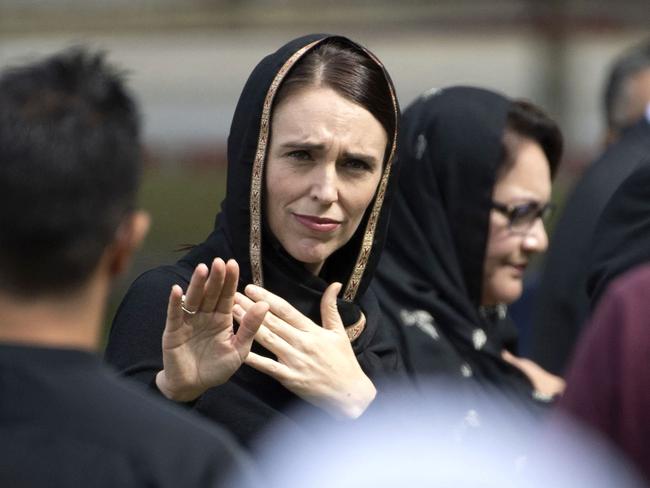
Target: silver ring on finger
[(187, 311)]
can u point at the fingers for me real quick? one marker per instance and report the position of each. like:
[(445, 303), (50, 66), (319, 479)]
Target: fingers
[(249, 324), (268, 366), (194, 294), (279, 307), (227, 296), (508, 357), (213, 292), (214, 285), (517, 362), (266, 337), (329, 312), (174, 311), (289, 333)]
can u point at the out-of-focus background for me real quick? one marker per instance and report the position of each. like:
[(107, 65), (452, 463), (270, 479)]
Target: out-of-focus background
[(187, 61)]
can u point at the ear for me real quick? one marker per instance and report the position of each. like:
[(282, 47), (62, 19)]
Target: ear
[(128, 238)]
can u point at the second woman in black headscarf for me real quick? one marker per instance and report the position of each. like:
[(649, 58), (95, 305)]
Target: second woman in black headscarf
[(457, 249)]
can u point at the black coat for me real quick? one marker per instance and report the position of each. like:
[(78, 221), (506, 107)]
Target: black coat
[(623, 232), (562, 304), (250, 400), (67, 421)]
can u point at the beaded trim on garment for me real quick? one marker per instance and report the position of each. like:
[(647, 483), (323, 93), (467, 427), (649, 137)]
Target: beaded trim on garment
[(354, 331), (369, 234), (255, 241)]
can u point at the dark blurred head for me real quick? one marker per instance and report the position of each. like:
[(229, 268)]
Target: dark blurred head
[(348, 71), (69, 170), (627, 90), (525, 119)]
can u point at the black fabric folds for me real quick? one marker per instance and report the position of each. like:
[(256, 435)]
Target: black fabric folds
[(562, 305), (430, 277), (67, 421), (622, 236), (251, 399)]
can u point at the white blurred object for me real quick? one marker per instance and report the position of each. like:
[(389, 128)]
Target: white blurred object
[(447, 439)]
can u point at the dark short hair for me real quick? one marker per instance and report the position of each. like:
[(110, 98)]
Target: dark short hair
[(625, 66), (528, 120), (69, 169), (350, 72)]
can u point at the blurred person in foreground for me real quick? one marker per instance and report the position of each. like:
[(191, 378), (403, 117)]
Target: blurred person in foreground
[(69, 173), (475, 185), (561, 304), (413, 440), (608, 381)]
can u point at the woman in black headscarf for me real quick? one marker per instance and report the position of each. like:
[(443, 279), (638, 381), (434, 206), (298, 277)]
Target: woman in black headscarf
[(475, 179), (309, 174)]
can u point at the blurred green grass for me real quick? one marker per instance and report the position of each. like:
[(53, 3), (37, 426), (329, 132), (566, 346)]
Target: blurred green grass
[(182, 203)]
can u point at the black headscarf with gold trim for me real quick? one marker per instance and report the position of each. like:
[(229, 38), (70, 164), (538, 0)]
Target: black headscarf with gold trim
[(240, 230)]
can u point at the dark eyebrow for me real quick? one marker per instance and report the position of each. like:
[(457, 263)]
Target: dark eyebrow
[(303, 145), (320, 147)]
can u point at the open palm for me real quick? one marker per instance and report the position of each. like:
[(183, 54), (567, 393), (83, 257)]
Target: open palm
[(200, 347)]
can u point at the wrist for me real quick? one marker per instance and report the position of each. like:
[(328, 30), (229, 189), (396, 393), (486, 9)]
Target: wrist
[(174, 392), (355, 403)]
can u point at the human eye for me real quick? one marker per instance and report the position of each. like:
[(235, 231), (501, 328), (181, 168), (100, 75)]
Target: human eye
[(359, 165), (524, 213), (299, 155)]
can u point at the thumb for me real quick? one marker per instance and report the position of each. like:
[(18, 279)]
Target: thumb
[(329, 312), (248, 327)]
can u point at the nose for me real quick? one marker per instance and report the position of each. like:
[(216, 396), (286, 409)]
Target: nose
[(536, 239), (324, 184)]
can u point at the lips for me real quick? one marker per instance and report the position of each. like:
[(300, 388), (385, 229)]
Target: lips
[(519, 267), (318, 224)]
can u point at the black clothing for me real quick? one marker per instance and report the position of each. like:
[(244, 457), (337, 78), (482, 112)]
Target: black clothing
[(429, 282), (66, 421), (562, 304), (623, 232), (250, 400)]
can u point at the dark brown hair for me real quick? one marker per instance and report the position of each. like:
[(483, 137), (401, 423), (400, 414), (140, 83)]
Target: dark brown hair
[(69, 169), (350, 72), (525, 119)]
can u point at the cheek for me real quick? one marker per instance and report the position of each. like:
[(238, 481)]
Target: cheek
[(500, 244), (281, 186), (361, 196)]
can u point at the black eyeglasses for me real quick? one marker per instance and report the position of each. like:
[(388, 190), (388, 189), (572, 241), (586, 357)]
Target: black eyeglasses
[(522, 216)]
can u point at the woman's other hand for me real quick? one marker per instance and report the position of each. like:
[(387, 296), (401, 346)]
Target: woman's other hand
[(545, 383), (316, 363), (200, 347)]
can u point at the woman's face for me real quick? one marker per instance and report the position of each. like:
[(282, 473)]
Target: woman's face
[(323, 167), (509, 251)]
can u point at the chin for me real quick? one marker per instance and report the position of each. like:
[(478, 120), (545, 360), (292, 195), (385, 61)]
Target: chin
[(511, 295), (308, 256), (507, 293)]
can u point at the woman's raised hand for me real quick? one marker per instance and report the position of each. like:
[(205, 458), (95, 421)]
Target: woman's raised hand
[(316, 363), (199, 345)]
